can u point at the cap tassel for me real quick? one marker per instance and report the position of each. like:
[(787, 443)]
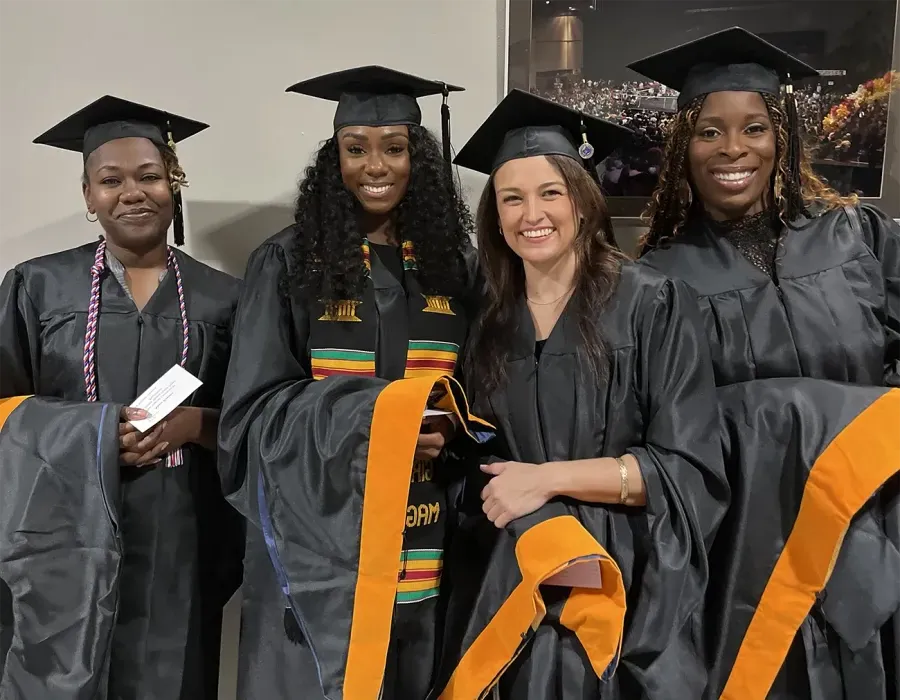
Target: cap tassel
[(586, 152), (445, 124), (795, 149), (178, 218)]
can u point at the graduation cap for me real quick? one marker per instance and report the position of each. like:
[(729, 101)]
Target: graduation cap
[(111, 118), (378, 96), (525, 125), (730, 60), (735, 60)]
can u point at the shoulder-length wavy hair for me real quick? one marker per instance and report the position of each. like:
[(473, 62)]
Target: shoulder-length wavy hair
[(597, 274), (326, 256), (675, 202)]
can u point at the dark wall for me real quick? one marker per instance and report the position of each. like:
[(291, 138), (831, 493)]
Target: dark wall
[(853, 35)]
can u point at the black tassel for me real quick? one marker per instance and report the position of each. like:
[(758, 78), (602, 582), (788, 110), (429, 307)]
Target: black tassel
[(795, 150), (291, 629), (445, 126), (178, 219)]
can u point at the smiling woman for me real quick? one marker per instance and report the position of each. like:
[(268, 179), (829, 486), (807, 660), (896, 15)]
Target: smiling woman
[(372, 285), (101, 323), (602, 406), (794, 281), (375, 167), (137, 221), (732, 154)]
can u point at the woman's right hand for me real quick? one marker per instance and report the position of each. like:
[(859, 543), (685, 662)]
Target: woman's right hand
[(136, 448)]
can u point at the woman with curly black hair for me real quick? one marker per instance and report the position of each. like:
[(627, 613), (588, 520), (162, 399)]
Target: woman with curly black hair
[(795, 281), (368, 286)]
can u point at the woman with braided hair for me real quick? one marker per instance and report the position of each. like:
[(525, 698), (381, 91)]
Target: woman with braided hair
[(100, 324), (794, 281)]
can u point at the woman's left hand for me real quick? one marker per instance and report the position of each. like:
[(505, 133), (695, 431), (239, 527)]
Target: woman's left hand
[(517, 489), (182, 427)]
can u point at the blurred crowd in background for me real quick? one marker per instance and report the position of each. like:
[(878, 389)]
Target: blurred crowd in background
[(845, 131)]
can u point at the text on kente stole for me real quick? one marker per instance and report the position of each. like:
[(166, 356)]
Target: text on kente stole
[(422, 513)]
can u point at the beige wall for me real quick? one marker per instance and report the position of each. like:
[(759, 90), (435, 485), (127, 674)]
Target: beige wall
[(225, 62)]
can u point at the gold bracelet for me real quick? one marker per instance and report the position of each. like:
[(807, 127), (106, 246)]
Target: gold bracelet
[(623, 478)]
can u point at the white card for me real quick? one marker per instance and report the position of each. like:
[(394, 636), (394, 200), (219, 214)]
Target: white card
[(430, 412), (164, 396), (582, 574)]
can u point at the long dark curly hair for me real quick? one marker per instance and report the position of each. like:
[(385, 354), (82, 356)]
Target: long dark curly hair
[(327, 258), (599, 263), (675, 202)]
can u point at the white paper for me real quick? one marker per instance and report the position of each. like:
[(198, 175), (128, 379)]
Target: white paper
[(429, 412), (164, 396), (583, 574)]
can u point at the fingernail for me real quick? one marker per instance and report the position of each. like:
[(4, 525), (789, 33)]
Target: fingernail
[(164, 445)]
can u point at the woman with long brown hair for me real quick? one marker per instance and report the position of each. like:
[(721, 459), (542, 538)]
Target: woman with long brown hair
[(794, 281), (602, 488)]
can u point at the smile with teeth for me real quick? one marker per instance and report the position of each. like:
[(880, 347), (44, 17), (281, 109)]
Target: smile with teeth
[(376, 189), (537, 232), (735, 176)]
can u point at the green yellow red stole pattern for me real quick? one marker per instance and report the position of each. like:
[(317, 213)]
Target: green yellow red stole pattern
[(433, 346), (343, 338)]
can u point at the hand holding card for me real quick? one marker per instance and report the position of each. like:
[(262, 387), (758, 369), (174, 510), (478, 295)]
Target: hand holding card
[(164, 396)]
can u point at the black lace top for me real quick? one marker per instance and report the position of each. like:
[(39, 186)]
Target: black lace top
[(755, 236)]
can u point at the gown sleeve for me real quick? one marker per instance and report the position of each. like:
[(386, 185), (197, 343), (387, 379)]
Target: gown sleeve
[(266, 372), (882, 235), (685, 487), (60, 511), (19, 337), (805, 457)]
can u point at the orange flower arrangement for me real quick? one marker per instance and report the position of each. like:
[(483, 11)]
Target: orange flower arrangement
[(875, 90)]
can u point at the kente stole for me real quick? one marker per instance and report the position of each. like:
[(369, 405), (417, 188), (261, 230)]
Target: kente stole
[(342, 340)]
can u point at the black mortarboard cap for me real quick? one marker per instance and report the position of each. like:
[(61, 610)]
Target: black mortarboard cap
[(111, 118), (376, 96), (525, 125), (730, 60)]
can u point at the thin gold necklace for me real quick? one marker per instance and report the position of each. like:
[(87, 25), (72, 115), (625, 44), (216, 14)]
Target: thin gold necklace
[(547, 303)]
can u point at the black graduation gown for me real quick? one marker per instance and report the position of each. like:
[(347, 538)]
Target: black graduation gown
[(306, 441), (658, 403), (59, 511), (833, 313), (181, 541)]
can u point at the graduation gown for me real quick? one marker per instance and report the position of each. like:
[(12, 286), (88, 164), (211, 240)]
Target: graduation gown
[(296, 444), (799, 515), (181, 541), (831, 312), (656, 403), (59, 511)]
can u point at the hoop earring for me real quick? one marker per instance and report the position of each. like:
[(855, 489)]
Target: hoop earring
[(87, 215)]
